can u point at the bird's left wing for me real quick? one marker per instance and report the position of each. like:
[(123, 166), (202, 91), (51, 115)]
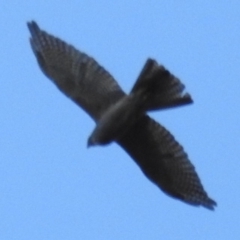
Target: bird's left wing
[(76, 74)]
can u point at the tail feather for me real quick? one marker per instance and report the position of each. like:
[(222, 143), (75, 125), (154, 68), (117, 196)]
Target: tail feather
[(159, 89)]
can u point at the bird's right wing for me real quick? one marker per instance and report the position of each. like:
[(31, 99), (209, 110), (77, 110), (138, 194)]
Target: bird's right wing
[(159, 89), (76, 74), (164, 161)]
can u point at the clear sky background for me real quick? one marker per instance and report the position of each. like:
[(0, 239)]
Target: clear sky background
[(53, 187)]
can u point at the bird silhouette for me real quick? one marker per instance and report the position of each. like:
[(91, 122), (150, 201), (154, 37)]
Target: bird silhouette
[(122, 118)]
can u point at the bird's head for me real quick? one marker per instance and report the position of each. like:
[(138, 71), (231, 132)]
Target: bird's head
[(96, 139), (92, 141)]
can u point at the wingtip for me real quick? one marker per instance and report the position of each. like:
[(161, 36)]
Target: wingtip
[(33, 27), (32, 23), (211, 205), (188, 98), (150, 62), (207, 203)]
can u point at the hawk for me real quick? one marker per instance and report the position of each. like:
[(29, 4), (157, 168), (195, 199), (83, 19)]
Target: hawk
[(122, 118)]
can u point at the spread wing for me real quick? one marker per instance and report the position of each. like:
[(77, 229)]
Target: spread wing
[(77, 75), (153, 148), (164, 161)]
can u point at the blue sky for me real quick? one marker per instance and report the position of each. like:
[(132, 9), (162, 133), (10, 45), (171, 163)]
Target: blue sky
[(53, 187)]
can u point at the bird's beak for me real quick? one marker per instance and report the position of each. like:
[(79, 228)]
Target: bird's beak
[(89, 143)]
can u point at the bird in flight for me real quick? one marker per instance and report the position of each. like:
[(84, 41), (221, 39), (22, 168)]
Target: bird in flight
[(123, 118)]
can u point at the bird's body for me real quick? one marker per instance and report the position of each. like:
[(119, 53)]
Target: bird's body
[(160, 157), (116, 121), (154, 89)]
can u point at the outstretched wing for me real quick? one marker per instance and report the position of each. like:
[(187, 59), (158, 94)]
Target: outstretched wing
[(152, 147), (164, 161), (77, 75)]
